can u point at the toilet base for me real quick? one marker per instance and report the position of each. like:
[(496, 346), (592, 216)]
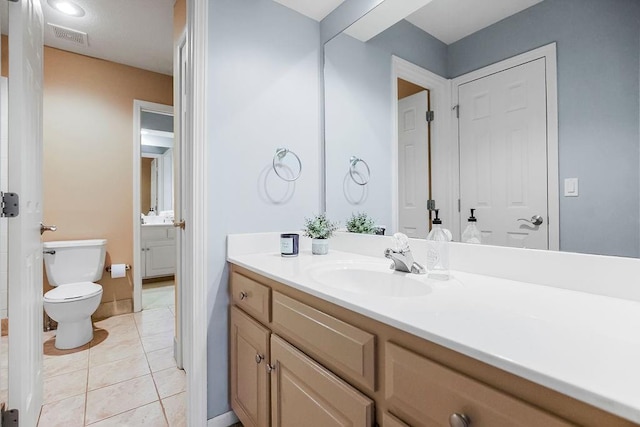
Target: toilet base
[(74, 334)]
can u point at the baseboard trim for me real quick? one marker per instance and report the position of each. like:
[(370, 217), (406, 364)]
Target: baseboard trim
[(223, 420), (113, 308)]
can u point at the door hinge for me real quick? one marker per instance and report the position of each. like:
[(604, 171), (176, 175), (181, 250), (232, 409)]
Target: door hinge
[(9, 418), (459, 208), (9, 204), (430, 116), (457, 108), (431, 205)]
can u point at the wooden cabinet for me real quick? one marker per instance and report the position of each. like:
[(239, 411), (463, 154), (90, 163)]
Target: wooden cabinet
[(298, 360), (424, 393), (249, 356), (158, 246), (304, 393)]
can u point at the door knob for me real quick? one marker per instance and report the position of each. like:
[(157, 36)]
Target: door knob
[(535, 220), (179, 224), (44, 228)]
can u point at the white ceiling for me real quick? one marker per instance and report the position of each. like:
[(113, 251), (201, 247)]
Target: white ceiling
[(314, 9), (138, 33), (447, 20), (452, 20)]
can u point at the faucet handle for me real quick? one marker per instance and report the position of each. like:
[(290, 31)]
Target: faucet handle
[(402, 242)]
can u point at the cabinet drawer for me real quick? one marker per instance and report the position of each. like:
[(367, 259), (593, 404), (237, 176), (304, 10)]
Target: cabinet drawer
[(303, 393), (337, 344), (424, 393), (253, 297)]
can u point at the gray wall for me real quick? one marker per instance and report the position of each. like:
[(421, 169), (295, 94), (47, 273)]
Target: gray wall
[(598, 45), (358, 113), (263, 93)]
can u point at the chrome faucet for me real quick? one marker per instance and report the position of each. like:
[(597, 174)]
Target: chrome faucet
[(402, 257)]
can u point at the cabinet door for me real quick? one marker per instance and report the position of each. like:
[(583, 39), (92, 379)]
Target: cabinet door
[(160, 258), (249, 353), (306, 394)]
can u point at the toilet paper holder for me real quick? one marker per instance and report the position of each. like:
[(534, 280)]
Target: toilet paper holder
[(126, 267)]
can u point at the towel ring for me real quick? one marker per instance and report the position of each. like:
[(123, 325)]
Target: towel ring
[(353, 162), (281, 153)]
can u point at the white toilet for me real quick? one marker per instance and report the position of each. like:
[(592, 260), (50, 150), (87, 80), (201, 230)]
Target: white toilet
[(72, 267)]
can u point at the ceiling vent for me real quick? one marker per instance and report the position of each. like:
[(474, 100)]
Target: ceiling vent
[(63, 33)]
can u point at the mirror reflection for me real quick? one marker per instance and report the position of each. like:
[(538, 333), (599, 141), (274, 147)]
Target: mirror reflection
[(535, 122), (156, 169)]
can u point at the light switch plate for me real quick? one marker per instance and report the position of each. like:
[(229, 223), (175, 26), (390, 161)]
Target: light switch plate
[(571, 187)]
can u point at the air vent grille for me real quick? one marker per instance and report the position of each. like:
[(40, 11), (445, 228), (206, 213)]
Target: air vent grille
[(74, 36)]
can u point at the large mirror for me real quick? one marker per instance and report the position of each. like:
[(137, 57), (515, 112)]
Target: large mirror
[(156, 163), (536, 112)]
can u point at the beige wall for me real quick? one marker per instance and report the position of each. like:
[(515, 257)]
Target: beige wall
[(88, 166), (179, 18), (145, 184)]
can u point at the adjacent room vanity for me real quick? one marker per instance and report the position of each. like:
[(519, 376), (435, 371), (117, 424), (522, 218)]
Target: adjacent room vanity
[(473, 351), (158, 250)]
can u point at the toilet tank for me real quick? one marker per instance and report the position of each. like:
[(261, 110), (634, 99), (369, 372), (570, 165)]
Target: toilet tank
[(74, 260)]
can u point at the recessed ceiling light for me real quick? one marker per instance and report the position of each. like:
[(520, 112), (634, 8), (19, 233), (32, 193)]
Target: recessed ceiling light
[(67, 7)]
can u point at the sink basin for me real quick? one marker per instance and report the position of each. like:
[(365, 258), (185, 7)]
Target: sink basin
[(372, 278)]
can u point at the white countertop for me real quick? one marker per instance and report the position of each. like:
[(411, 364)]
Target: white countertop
[(580, 344)]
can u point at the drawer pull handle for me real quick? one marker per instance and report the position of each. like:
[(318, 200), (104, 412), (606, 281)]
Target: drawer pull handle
[(459, 420), (259, 358), (243, 295)]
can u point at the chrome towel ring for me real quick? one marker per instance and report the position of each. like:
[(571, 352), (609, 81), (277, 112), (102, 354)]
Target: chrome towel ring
[(281, 153), (353, 162)]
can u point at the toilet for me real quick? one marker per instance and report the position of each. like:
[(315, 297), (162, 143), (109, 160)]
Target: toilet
[(72, 268)]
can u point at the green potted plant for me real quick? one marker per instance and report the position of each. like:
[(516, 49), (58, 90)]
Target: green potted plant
[(320, 229), (361, 223)]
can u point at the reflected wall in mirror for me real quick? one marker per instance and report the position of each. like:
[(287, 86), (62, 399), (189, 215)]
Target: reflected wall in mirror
[(597, 46), (156, 169)]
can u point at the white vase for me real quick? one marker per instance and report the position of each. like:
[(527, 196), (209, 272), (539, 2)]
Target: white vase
[(319, 246)]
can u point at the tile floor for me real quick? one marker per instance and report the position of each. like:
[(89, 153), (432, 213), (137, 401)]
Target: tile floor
[(125, 377), (158, 294)]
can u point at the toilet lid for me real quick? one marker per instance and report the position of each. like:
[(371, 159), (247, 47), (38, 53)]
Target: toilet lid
[(73, 291)]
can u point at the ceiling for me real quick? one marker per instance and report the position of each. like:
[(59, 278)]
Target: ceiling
[(447, 20), (138, 33), (314, 9)]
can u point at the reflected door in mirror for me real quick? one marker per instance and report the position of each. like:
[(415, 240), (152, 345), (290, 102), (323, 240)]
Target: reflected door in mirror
[(503, 155)]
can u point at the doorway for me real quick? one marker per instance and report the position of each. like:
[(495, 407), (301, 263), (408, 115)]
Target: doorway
[(154, 234), (414, 159)]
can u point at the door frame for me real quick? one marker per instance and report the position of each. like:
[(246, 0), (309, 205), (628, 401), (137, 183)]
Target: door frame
[(196, 132), (138, 107), (548, 52), (440, 93)]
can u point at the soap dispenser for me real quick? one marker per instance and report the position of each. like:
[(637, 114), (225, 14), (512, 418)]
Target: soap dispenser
[(471, 234), (438, 251)]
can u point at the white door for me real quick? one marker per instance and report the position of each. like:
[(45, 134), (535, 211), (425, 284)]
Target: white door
[(25, 178), (182, 200), (413, 165), (503, 155)]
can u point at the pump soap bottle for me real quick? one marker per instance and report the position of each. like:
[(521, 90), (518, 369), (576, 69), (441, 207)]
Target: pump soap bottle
[(471, 234), (437, 251)]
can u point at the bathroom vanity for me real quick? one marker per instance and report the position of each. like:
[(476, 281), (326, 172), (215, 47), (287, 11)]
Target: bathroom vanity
[(158, 250), (310, 346)]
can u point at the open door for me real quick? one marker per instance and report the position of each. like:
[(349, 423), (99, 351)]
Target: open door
[(25, 179)]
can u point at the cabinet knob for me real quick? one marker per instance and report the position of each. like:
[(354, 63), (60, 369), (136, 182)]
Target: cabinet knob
[(270, 368), (459, 420), (243, 295), (259, 358)]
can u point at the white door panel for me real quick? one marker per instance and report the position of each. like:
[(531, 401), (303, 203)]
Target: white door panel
[(413, 165), (503, 155), (25, 178)]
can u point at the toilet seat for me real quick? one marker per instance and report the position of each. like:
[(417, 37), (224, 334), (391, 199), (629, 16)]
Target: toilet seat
[(72, 292)]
